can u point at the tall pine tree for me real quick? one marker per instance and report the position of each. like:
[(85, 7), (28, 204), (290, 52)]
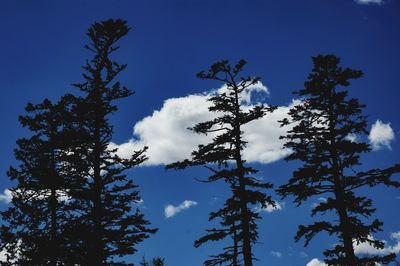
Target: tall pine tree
[(323, 123), (34, 227), (238, 217), (109, 225)]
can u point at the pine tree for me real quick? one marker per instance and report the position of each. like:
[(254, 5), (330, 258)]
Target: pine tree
[(143, 262), (225, 152), (322, 124), (33, 230), (156, 261), (109, 226)]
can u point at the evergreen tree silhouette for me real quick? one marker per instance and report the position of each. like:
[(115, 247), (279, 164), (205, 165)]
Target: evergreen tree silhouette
[(322, 123), (157, 261), (238, 218), (143, 262), (33, 230), (109, 226)]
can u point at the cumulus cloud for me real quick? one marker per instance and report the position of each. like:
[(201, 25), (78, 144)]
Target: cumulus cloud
[(367, 2), (381, 135), (366, 248), (316, 262), (6, 196), (276, 254), (171, 210), (165, 131)]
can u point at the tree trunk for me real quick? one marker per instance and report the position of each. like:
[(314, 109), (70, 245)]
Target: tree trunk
[(97, 256), (54, 248), (53, 213), (350, 257), (244, 213)]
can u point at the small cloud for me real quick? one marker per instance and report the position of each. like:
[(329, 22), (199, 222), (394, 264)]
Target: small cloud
[(213, 200), (316, 262), (276, 254), (171, 210), (352, 137), (320, 199), (6, 196), (278, 207), (303, 254), (367, 2), (381, 135), (139, 202)]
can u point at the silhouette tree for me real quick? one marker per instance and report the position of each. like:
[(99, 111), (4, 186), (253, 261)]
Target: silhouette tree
[(143, 262), (34, 228), (320, 138), (225, 151), (109, 226), (157, 261)]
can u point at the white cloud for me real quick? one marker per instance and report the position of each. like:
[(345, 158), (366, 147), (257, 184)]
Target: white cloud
[(320, 200), (352, 137), (276, 254), (366, 248), (381, 135), (165, 131), (395, 235), (367, 2), (6, 196), (171, 210), (139, 202), (316, 262), (278, 207), (270, 208), (3, 257)]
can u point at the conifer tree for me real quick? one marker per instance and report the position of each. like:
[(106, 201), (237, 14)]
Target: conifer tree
[(156, 261), (323, 123), (238, 218), (33, 229), (109, 226)]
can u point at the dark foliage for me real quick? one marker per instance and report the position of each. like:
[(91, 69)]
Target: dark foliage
[(34, 229), (322, 124), (223, 157), (109, 226), (157, 261), (73, 204)]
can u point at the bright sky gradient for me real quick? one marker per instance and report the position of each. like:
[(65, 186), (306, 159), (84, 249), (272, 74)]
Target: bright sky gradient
[(41, 51)]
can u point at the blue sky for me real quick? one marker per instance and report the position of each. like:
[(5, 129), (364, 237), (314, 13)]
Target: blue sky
[(41, 51)]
